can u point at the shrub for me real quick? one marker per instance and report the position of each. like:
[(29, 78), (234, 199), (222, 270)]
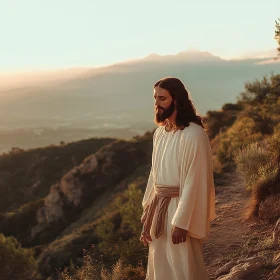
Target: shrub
[(20, 222), (260, 165), (119, 232), (119, 246), (232, 107), (15, 262), (269, 209)]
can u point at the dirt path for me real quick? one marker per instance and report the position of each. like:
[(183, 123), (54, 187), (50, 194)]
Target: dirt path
[(228, 230)]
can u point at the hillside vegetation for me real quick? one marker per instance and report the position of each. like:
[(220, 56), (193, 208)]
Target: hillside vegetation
[(252, 143), (79, 184), (27, 175)]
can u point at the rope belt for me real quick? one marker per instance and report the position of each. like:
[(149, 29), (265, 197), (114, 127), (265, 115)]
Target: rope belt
[(158, 208)]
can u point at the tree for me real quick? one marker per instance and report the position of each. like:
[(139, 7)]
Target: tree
[(15, 262), (277, 34)]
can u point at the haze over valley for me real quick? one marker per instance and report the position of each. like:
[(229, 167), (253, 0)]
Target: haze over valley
[(43, 108)]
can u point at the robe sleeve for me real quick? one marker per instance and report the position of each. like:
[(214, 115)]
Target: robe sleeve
[(196, 207), (149, 192)]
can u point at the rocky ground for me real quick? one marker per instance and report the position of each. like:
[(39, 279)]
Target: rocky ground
[(238, 248)]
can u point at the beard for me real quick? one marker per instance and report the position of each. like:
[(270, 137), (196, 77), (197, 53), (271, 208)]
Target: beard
[(162, 115)]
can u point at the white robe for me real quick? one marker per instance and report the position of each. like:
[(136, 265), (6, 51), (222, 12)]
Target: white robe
[(182, 158)]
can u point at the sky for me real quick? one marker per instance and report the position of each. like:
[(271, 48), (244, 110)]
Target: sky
[(57, 34)]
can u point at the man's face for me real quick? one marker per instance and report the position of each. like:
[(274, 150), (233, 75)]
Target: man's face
[(164, 104)]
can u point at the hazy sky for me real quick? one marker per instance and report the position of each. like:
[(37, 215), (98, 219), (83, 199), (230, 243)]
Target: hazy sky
[(47, 34)]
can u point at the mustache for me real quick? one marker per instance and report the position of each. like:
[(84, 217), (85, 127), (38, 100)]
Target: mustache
[(159, 108)]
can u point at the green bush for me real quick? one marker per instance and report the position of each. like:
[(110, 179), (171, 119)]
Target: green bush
[(119, 254), (16, 263), (119, 232), (20, 222), (256, 118)]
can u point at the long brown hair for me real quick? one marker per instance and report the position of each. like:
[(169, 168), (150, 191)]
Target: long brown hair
[(186, 111)]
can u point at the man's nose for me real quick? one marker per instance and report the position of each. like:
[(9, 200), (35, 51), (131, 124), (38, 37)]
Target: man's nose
[(156, 102)]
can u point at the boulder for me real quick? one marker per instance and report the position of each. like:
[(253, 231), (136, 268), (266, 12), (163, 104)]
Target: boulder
[(243, 268), (276, 233)]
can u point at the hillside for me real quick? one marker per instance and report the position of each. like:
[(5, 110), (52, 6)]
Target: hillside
[(26, 178), (27, 175), (59, 193)]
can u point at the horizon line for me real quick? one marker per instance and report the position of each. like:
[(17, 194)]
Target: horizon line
[(265, 54)]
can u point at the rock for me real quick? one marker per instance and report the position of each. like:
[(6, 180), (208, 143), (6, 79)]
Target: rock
[(80, 186), (226, 268), (51, 210), (229, 277), (276, 274), (71, 187), (255, 259), (274, 277), (276, 259), (243, 268), (277, 270), (276, 233)]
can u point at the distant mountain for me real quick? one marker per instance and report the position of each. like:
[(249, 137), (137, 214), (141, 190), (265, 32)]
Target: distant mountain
[(27, 79), (191, 55), (120, 96), (28, 138)]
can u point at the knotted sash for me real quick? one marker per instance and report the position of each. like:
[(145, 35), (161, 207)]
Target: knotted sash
[(158, 208)]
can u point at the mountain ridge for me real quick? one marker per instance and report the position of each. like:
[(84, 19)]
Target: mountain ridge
[(64, 74)]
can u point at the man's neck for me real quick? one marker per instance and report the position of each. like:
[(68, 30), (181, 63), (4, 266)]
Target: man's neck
[(170, 126)]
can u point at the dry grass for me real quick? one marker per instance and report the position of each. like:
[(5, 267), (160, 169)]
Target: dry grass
[(249, 160), (93, 269), (254, 246), (269, 209), (259, 163), (120, 271)]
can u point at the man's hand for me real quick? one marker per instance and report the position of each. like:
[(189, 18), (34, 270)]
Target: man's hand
[(178, 235), (145, 238)]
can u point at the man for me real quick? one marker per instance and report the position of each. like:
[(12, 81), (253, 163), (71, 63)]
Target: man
[(179, 200)]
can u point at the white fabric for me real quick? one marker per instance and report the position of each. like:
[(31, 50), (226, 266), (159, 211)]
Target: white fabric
[(182, 158)]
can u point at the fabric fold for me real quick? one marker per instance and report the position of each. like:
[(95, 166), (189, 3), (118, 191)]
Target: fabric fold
[(158, 208)]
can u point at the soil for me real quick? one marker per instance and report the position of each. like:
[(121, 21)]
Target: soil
[(230, 230)]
